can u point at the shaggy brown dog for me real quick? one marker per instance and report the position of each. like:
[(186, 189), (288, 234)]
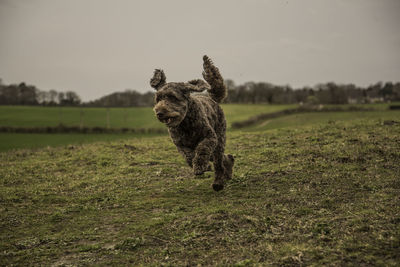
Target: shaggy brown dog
[(196, 122)]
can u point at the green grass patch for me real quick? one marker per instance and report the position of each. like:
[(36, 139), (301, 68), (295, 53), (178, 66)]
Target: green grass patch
[(240, 112), (313, 118), (10, 141), (28, 116), (325, 194), (142, 117), (136, 117)]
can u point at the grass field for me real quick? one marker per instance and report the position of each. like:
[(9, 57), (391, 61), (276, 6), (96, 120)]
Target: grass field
[(26, 116), (10, 141), (239, 112), (137, 117), (325, 194), (305, 119), (22, 116)]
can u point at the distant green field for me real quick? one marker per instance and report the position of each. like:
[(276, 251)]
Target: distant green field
[(143, 117), (26, 116), (306, 119), (239, 112), (136, 117)]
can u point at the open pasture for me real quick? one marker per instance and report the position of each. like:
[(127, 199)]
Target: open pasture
[(9, 141), (316, 118), (20, 116), (324, 194), (135, 117), (138, 117)]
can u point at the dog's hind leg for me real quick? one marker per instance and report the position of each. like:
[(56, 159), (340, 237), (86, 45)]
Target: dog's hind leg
[(219, 169), (229, 161)]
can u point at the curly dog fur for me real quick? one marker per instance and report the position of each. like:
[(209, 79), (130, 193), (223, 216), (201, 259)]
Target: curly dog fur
[(196, 123)]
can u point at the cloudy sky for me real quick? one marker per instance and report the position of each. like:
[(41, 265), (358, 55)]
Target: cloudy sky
[(96, 47)]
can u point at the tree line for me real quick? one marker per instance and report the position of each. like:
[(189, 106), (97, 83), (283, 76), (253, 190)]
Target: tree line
[(250, 92), (129, 98), (24, 94), (325, 93)]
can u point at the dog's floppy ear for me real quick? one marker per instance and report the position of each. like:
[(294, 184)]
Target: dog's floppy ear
[(158, 79), (196, 86)]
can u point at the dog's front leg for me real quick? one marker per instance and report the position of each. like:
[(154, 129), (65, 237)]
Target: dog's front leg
[(188, 154), (203, 153)]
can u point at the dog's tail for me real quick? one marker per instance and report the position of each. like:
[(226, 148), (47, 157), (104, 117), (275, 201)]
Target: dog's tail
[(218, 90)]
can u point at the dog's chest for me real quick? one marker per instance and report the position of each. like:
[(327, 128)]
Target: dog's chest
[(186, 136)]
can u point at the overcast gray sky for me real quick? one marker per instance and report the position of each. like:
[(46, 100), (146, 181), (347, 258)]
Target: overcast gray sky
[(96, 47)]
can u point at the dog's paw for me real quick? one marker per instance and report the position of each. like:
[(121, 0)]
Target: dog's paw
[(217, 186)]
